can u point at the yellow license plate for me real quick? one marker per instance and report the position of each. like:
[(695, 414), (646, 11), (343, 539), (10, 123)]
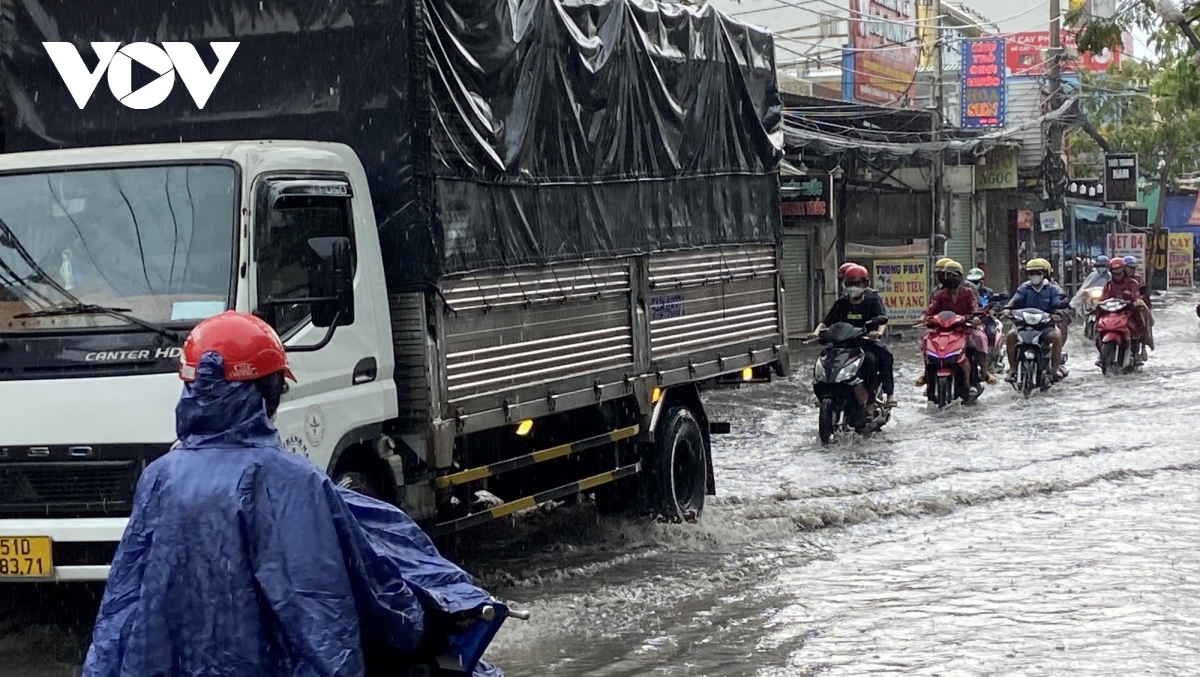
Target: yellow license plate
[(25, 557)]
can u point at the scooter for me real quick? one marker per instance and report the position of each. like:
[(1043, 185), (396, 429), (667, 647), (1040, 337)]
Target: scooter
[(1033, 353), (846, 400), (1091, 297), (454, 644), (994, 329), (949, 373), (1114, 338)]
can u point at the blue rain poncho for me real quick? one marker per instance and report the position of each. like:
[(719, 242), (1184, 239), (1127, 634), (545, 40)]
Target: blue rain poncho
[(241, 558)]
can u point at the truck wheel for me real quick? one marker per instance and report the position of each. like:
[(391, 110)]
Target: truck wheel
[(358, 483), (680, 469)]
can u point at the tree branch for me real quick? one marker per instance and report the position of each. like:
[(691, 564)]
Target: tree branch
[(1100, 140)]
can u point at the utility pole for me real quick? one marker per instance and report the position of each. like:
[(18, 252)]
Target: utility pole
[(1054, 74), (1054, 133), (936, 180)]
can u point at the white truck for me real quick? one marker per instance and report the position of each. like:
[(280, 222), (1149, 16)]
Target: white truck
[(495, 293)]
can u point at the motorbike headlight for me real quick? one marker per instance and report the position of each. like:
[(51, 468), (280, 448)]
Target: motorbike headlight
[(849, 370), (1095, 292)]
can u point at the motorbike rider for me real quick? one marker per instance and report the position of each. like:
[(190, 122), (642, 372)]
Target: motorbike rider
[(939, 270), (841, 282), (975, 278), (956, 298), (241, 558), (841, 274), (856, 307), (1040, 293), (1131, 264), (1094, 281), (1099, 275), (1124, 285), (990, 325), (1148, 338)]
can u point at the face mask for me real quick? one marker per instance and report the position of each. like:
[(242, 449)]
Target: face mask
[(855, 292), (953, 282), (1036, 280)]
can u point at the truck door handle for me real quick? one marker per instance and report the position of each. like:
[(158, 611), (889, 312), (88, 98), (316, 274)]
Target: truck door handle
[(365, 371)]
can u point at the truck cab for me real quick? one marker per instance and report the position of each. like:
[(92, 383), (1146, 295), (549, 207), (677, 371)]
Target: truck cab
[(108, 257)]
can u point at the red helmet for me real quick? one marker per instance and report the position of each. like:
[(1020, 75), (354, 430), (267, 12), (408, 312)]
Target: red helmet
[(856, 272), (844, 267), (1116, 264), (249, 347)]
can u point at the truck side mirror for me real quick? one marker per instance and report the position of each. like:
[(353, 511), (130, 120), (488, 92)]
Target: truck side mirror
[(331, 282)]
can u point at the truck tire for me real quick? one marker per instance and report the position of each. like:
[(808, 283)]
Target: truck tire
[(679, 463), (358, 483)]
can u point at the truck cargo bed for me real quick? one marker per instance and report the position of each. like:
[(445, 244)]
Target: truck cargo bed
[(495, 348)]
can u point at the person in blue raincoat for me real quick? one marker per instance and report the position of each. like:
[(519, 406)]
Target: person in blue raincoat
[(243, 559)]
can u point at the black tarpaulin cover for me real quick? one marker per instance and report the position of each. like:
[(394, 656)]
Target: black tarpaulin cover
[(494, 132)]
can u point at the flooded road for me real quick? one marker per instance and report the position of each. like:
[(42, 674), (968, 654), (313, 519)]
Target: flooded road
[(1049, 536)]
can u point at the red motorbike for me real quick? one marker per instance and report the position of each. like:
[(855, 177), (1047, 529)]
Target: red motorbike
[(949, 374), (1115, 341)]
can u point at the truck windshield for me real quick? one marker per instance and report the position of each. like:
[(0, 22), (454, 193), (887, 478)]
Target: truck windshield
[(154, 242)]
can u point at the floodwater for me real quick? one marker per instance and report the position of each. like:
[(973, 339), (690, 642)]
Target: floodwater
[(1051, 536)]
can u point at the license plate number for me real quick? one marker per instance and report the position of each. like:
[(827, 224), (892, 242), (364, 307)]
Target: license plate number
[(25, 557)]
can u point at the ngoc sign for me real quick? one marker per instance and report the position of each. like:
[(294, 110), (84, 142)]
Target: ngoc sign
[(166, 61)]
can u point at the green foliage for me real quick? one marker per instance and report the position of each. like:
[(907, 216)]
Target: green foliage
[(1151, 110), (1094, 35)]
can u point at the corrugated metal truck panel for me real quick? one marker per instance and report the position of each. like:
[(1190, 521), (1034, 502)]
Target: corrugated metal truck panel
[(712, 299), (508, 330)]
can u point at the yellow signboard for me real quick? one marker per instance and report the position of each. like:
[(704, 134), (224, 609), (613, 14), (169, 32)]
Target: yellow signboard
[(1179, 264), (903, 286), (997, 171)]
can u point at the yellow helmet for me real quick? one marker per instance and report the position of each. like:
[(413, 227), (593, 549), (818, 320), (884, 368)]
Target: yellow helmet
[(1038, 264), (953, 267), (941, 264)]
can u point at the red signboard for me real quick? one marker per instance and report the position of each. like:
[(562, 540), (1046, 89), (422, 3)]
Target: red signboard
[(883, 36), (1023, 55)]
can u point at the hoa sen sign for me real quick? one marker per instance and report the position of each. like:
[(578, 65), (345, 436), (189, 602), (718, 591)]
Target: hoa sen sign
[(883, 37), (982, 79)]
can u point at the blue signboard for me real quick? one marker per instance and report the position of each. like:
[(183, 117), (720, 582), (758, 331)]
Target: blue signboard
[(983, 88)]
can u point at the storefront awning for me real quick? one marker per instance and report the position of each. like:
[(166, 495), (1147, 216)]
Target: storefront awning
[(1095, 213)]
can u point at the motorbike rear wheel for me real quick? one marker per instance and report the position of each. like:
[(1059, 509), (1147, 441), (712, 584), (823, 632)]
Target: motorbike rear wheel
[(1108, 358), (1028, 370), (826, 421), (943, 392)]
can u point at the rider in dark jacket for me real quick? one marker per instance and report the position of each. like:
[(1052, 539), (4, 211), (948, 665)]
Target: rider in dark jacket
[(859, 305)]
